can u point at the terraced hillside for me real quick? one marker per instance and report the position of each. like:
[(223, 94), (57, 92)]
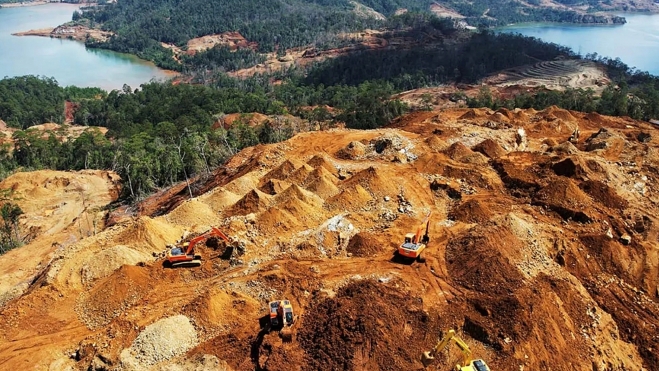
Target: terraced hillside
[(557, 74)]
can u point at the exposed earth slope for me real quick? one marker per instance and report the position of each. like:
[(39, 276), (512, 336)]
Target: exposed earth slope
[(60, 208), (543, 255)]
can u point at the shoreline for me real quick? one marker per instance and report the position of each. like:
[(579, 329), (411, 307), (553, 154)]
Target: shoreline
[(24, 4), (43, 32), (49, 32), (37, 3)]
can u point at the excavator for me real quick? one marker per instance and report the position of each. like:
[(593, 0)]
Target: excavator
[(282, 317), (468, 364), (414, 244), (185, 256)]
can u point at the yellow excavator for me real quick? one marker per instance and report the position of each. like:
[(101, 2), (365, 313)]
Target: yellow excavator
[(468, 364), (282, 318)]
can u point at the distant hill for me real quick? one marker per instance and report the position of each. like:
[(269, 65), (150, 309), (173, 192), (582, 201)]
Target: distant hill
[(142, 26), (156, 30)]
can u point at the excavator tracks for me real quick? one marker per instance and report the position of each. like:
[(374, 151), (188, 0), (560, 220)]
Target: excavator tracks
[(188, 264)]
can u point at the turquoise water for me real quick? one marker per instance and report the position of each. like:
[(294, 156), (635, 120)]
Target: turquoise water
[(636, 43), (69, 62)]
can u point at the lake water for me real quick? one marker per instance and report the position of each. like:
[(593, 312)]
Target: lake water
[(636, 43), (69, 62)]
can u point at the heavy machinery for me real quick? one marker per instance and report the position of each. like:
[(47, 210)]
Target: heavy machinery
[(185, 256), (282, 318), (414, 244), (468, 364)]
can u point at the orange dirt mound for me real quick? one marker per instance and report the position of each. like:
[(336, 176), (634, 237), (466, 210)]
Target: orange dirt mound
[(193, 213), (473, 113), (457, 151), (219, 199), (565, 148), (498, 117), (300, 174), (364, 244), (292, 209), (149, 234), (274, 186), (481, 259), (215, 308), (506, 112), (320, 173), (113, 295), (371, 180), (322, 185), (253, 202), (603, 194), (353, 151), (472, 211), (490, 148), (277, 221), (281, 172), (550, 142), (518, 170), (552, 127), (320, 161), (522, 116), (356, 331), (434, 163), (559, 113), (295, 193), (570, 167), (564, 197), (245, 183), (596, 118), (436, 143), (350, 198)]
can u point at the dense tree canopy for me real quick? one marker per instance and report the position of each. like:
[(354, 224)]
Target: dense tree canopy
[(141, 26), (31, 100), (161, 133)]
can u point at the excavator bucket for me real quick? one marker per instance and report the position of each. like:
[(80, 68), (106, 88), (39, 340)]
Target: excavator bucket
[(187, 264), (286, 334), (427, 359)]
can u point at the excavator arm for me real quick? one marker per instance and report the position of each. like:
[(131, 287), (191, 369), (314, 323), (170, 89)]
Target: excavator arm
[(428, 357), (214, 232), (464, 348), (426, 223), (467, 362)]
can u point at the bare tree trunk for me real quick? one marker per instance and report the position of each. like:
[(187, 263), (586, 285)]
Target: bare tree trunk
[(181, 155), (130, 183), (201, 147)]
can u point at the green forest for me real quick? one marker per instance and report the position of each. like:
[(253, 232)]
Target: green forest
[(277, 25), (161, 133)]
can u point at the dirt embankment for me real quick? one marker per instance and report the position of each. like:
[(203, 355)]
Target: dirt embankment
[(63, 133), (358, 41), (60, 208), (231, 40), (539, 247), (555, 75), (80, 33)]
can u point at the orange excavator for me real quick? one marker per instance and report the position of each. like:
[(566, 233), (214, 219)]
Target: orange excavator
[(185, 256), (414, 244)]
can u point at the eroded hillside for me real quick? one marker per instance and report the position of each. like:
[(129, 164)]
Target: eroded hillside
[(543, 255)]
